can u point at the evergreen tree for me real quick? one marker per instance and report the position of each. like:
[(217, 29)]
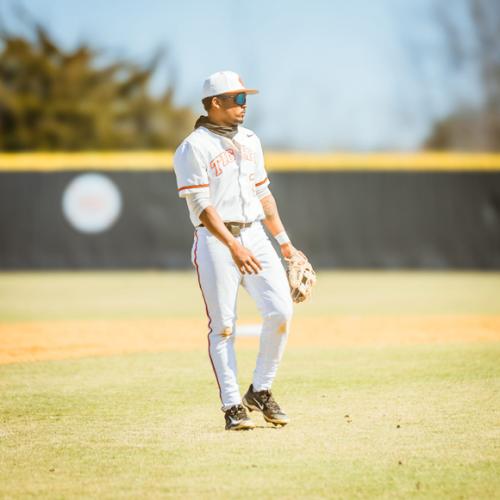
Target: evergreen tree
[(52, 99)]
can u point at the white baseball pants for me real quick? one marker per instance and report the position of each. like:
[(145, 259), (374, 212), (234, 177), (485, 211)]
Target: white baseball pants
[(219, 280)]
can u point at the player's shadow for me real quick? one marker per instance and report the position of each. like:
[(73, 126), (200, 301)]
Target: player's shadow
[(269, 427)]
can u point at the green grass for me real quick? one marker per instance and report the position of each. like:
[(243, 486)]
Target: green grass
[(398, 422), (99, 295), (421, 422)]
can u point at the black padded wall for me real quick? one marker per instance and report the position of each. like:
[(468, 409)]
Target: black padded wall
[(396, 219)]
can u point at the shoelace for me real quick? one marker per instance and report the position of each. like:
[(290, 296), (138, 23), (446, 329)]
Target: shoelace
[(238, 412), (267, 398)]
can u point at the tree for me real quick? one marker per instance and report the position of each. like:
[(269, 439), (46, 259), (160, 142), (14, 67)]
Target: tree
[(478, 128), (52, 99)]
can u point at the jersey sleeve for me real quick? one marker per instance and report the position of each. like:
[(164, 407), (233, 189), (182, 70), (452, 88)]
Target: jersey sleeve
[(190, 171), (261, 178)]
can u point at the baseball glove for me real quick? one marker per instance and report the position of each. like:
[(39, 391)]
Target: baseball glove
[(301, 277)]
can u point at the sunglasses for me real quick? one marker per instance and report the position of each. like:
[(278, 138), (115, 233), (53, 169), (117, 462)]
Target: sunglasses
[(239, 99)]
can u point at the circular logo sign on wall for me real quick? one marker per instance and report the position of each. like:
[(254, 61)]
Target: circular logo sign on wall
[(92, 203)]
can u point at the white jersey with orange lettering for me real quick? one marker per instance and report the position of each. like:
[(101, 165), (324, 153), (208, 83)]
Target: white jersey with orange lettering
[(231, 171)]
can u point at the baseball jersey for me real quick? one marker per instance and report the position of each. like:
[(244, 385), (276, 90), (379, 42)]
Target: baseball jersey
[(229, 170)]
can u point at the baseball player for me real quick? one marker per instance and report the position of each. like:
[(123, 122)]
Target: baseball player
[(220, 172)]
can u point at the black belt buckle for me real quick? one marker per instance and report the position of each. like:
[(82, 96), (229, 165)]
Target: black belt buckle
[(235, 229)]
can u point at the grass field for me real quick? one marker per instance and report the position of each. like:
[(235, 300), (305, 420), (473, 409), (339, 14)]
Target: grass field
[(392, 381)]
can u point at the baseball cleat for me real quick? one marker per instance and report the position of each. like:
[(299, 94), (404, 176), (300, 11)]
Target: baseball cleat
[(264, 402), (237, 419)]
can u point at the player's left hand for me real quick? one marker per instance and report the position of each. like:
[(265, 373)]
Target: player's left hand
[(287, 250)]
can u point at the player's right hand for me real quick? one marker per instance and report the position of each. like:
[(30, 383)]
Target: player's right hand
[(246, 262)]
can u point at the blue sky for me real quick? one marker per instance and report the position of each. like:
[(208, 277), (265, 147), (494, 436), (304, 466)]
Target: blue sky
[(333, 75)]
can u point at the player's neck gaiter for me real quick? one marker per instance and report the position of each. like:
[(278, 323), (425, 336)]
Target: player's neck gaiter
[(225, 131)]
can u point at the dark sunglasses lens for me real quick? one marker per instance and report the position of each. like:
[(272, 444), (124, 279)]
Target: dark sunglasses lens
[(240, 99)]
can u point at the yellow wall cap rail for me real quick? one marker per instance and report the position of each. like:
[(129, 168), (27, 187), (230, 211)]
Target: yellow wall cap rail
[(275, 161)]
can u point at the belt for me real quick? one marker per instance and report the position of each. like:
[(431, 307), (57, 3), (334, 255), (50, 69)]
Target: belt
[(234, 227)]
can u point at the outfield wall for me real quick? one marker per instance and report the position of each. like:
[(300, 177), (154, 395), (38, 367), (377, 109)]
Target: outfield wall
[(354, 211)]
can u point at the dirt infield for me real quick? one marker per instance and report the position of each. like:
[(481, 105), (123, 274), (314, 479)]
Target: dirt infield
[(61, 339)]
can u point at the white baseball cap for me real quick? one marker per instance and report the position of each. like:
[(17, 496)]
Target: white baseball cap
[(225, 82)]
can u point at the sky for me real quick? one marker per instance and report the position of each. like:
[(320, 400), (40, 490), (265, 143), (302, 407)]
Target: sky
[(333, 75)]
